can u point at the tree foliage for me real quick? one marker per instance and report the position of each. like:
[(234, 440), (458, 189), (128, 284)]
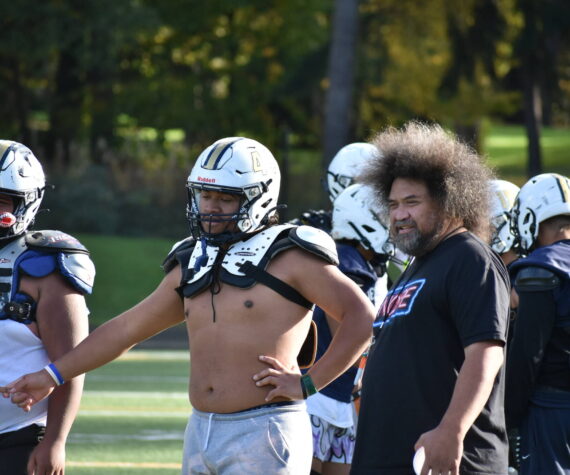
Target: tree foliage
[(88, 81)]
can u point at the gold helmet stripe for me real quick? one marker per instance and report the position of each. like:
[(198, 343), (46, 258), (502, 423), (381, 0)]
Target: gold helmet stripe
[(212, 160)]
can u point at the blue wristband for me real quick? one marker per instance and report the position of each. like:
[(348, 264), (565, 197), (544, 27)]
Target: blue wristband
[(54, 373)]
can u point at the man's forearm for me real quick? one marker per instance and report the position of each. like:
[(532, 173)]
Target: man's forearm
[(350, 340), (63, 405)]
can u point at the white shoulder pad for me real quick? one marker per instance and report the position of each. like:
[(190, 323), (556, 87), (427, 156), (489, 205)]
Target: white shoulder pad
[(316, 241), (254, 249)]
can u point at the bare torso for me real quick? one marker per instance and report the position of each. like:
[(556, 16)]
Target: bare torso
[(248, 323)]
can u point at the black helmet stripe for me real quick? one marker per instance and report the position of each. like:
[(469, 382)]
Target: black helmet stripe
[(213, 159), (563, 187), (5, 150)]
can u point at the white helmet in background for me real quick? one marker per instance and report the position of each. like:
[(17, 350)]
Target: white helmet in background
[(239, 166), (542, 197), (355, 218), (503, 196), (346, 165), (22, 178)]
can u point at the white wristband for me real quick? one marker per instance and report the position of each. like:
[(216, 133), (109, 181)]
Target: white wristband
[(54, 373)]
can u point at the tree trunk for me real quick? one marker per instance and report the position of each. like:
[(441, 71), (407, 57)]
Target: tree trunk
[(531, 65), (341, 65), (21, 105)]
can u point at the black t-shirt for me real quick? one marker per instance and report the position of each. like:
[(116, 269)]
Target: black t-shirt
[(456, 295)]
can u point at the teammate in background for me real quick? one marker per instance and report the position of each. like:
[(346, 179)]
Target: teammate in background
[(245, 288), (538, 370), (44, 276), (342, 172), (361, 238), (433, 380), (504, 194)]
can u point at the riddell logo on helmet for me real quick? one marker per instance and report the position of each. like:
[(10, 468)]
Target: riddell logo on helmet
[(206, 180)]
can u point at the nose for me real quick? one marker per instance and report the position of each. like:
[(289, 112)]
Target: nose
[(399, 213), (210, 206)]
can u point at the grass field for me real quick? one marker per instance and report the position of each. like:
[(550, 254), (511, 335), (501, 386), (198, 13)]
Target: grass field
[(506, 148), (132, 417)]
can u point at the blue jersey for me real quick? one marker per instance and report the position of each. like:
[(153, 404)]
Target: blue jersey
[(352, 264)]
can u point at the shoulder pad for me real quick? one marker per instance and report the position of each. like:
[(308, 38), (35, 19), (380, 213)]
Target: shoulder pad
[(536, 279), (316, 242), (171, 259), (55, 241), (78, 269)]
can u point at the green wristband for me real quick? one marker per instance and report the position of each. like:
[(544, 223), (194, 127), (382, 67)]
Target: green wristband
[(308, 386)]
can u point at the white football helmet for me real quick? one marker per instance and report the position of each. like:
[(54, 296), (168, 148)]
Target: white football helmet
[(542, 197), (235, 165), (346, 165), (22, 178), (355, 218), (503, 195)]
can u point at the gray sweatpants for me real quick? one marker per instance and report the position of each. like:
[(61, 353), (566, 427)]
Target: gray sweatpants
[(276, 440)]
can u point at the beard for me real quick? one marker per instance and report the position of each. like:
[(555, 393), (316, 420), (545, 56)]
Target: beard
[(416, 242)]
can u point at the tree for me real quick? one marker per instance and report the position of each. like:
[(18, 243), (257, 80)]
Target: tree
[(341, 65)]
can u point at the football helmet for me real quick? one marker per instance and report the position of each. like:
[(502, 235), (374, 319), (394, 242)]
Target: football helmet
[(22, 178), (542, 197), (354, 218), (503, 195), (346, 165), (240, 166)]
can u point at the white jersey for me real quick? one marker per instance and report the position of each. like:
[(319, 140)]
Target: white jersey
[(22, 352)]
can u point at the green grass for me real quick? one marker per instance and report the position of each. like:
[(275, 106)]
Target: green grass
[(132, 417), (128, 269), (506, 148)]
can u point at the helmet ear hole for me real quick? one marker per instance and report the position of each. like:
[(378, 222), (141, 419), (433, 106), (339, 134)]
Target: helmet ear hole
[(354, 219)]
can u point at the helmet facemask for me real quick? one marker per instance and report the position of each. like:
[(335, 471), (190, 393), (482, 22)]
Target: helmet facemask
[(242, 218), (503, 238), (346, 165)]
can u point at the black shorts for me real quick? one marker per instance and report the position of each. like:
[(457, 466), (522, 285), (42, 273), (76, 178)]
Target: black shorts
[(16, 447)]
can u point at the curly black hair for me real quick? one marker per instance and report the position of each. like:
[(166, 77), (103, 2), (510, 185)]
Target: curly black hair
[(455, 175)]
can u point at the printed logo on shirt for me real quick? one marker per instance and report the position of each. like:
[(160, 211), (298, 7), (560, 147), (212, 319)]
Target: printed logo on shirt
[(398, 302)]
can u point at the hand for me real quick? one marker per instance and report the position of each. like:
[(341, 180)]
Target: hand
[(29, 389), (287, 382), (443, 450), (47, 458)]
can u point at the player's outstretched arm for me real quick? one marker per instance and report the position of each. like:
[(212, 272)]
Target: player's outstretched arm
[(160, 310)]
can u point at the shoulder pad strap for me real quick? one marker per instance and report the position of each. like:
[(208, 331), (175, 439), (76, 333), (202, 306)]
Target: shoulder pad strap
[(179, 254), (536, 279), (316, 242), (274, 283), (55, 241)]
